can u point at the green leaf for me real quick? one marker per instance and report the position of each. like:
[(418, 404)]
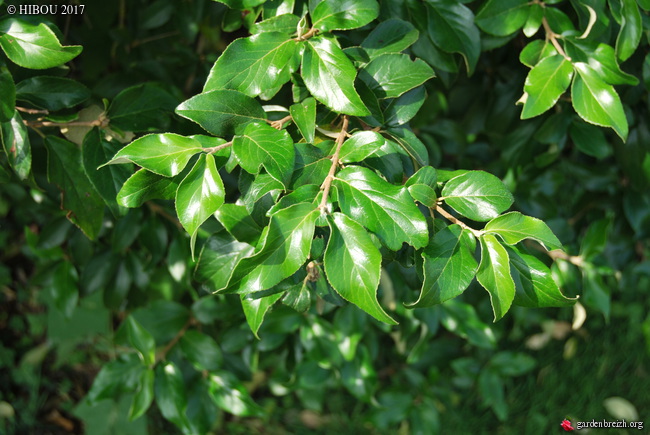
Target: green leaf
[(392, 74), (65, 289), (285, 23), (602, 59), (452, 28), (218, 259), (256, 308), (360, 145), (199, 195), (449, 266), (545, 83), (115, 377), (390, 36), (329, 76), (262, 145), (281, 252), (33, 46), (144, 186), (298, 297), (534, 20), (304, 116), (344, 14), (255, 64), (237, 220), (141, 340), (477, 195), (230, 395), (353, 265), (165, 154), (201, 350), (221, 112), (535, 51), (514, 227), (534, 283), (241, 4), (462, 320), (383, 208), (596, 101), (494, 275), (16, 144), (631, 29), (107, 180), (411, 144), (143, 396), (78, 196), (143, 107), (171, 397), (8, 92), (421, 186), (52, 93), (402, 109), (502, 17)]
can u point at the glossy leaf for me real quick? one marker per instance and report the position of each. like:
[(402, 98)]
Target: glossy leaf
[(237, 220), (281, 252), (65, 290), (383, 208), (218, 259), (286, 23), (220, 112), (8, 92), (255, 64), (199, 195), (631, 29), (596, 101), (141, 340), (534, 283), (17, 146), (421, 186), (304, 116), (360, 145), (602, 59), (171, 397), (85, 207), (477, 195), (329, 76), (390, 36), (534, 20), (115, 377), (535, 51), (449, 266), (144, 186), (502, 17), (353, 265), (402, 109), (344, 14), (143, 396), (392, 74), (545, 83), (33, 46), (256, 308), (143, 107), (263, 145), (230, 395), (514, 227), (165, 154), (52, 93), (494, 275), (452, 28), (201, 350)]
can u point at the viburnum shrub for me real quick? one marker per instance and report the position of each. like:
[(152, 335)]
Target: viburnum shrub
[(299, 182)]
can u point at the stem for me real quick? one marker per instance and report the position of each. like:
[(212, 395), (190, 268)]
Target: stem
[(163, 353), (552, 36), (213, 150), (327, 184), (444, 213), (312, 32), (156, 209), (277, 124), (32, 111), (39, 124)]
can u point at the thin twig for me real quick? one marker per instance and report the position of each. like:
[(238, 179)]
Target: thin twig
[(327, 184), (40, 124), (444, 213), (552, 36), (163, 353), (156, 209), (212, 150), (312, 32), (277, 124), (32, 111)]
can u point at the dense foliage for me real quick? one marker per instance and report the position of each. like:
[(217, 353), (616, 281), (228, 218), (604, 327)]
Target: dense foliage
[(218, 214)]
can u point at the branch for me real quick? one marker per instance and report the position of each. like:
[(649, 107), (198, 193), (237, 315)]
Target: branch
[(327, 183), (156, 209), (163, 353), (312, 32), (454, 220), (32, 111), (552, 36), (277, 124), (212, 150)]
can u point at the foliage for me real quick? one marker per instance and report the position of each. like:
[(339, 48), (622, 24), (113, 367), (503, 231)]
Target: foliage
[(309, 195)]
